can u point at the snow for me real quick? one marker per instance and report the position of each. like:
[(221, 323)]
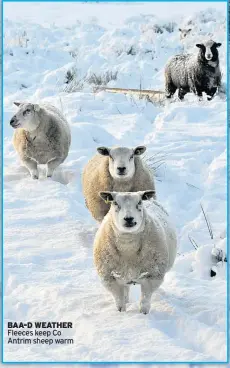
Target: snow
[(48, 267)]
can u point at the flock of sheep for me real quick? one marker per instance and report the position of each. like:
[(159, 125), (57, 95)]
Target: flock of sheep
[(130, 247)]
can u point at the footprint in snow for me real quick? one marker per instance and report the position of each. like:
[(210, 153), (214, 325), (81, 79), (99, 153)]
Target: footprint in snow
[(86, 235), (63, 176)]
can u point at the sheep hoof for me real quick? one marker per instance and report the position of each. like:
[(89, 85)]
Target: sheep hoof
[(121, 308), (144, 309)]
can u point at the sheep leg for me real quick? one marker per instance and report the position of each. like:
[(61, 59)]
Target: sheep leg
[(182, 92), (118, 292), (211, 92), (148, 286), (126, 294), (199, 92), (52, 165), (32, 166), (170, 89)]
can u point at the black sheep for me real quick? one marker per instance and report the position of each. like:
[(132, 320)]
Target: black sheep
[(194, 73)]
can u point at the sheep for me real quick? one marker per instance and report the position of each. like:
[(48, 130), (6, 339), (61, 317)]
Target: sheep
[(42, 136), (194, 73), (114, 169), (132, 247), (184, 33)]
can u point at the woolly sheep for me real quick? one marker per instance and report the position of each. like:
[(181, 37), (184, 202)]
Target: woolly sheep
[(118, 169), (132, 247), (184, 32), (42, 136), (194, 73)]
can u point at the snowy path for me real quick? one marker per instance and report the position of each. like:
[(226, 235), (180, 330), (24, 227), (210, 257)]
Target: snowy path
[(49, 273)]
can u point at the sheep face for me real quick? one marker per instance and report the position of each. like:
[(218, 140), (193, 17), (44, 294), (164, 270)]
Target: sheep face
[(26, 117), (121, 161), (184, 32), (127, 209), (208, 50)]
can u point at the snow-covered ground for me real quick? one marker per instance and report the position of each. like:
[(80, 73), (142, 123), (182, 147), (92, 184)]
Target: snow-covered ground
[(48, 268)]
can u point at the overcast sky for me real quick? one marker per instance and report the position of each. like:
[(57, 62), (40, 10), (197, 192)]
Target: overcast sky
[(108, 14)]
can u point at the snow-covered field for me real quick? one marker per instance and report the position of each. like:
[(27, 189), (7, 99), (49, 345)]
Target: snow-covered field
[(48, 267)]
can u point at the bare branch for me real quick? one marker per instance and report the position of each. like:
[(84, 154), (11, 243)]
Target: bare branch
[(193, 242), (207, 222)]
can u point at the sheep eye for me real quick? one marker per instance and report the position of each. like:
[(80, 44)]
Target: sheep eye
[(111, 157), (117, 205), (27, 111), (139, 203), (131, 157)]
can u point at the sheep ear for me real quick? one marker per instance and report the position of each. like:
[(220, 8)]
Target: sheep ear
[(17, 103), (148, 194), (139, 150), (36, 107), (218, 44), (199, 45), (106, 196), (104, 151)]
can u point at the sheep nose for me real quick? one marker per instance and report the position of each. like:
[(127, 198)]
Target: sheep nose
[(13, 121), (121, 170), (129, 220), (209, 56)]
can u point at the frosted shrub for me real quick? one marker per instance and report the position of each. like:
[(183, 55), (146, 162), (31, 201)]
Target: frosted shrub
[(102, 79), (73, 81), (18, 39)]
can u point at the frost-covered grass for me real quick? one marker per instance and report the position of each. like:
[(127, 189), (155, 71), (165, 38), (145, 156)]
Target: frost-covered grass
[(102, 79), (49, 271)]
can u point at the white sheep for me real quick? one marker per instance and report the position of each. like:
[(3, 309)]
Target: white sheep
[(42, 136), (118, 169), (132, 247), (184, 32)]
